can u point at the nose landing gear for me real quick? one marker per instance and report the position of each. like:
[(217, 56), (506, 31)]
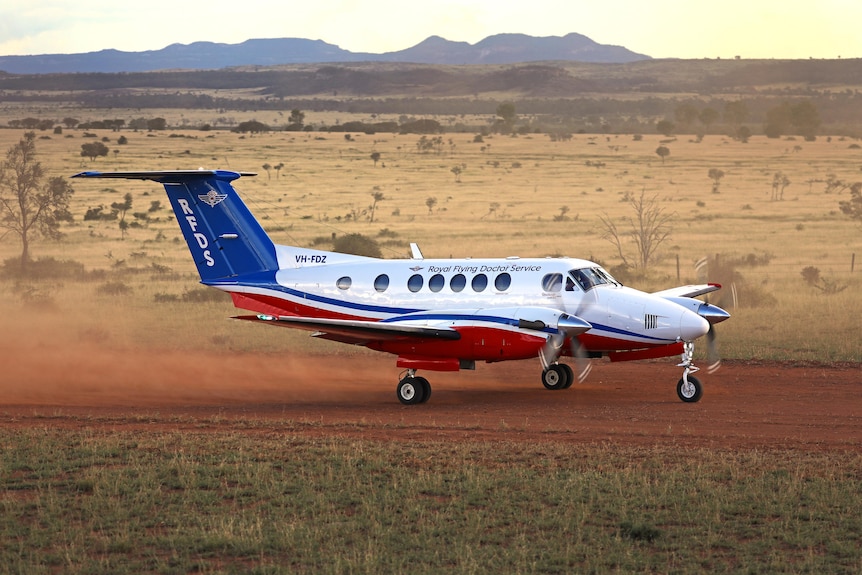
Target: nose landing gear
[(689, 388)]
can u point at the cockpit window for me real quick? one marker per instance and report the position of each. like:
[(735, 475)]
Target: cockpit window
[(588, 278)]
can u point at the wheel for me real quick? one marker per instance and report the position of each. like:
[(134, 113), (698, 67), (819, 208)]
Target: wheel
[(556, 377), (570, 374), (410, 391), (426, 388), (689, 393)]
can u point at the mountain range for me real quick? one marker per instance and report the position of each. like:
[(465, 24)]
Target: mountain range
[(497, 49)]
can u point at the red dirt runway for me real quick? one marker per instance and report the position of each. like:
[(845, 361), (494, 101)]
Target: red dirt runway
[(744, 405)]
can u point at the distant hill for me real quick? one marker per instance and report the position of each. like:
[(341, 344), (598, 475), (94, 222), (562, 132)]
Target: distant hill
[(498, 49)]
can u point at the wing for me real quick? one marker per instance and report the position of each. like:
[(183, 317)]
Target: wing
[(688, 291), (356, 331)]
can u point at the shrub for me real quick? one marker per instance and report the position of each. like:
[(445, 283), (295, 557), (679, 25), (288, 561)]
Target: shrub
[(357, 244), (205, 294), (45, 268), (114, 288)]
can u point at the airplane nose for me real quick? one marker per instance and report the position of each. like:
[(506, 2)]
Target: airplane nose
[(692, 326)]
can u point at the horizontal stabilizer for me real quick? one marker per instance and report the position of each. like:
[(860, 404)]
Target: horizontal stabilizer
[(167, 176)]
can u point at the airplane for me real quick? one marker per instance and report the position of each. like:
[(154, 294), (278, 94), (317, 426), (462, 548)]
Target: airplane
[(434, 314)]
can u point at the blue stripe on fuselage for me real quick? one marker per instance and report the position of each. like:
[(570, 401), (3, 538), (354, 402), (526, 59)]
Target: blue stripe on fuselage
[(267, 281)]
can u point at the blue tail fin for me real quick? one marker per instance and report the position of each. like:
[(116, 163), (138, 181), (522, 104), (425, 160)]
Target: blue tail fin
[(224, 238)]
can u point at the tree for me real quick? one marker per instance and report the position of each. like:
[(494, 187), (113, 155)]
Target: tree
[(251, 126), (708, 116), (685, 114), (777, 120), (648, 228), (93, 150), (779, 182), (853, 206), (715, 175), (457, 171), (278, 167), (156, 124), (506, 113), (375, 157), (28, 209), (121, 208), (297, 118), (665, 127), (663, 152), (735, 112), (377, 196), (805, 118), (267, 168), (430, 202)]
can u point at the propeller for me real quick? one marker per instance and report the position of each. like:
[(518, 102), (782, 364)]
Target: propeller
[(713, 314)]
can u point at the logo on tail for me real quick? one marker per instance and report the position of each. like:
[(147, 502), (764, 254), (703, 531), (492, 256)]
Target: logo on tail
[(212, 198)]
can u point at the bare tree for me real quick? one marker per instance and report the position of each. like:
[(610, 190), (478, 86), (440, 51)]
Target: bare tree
[(27, 208), (715, 175), (377, 196), (121, 208), (779, 182), (648, 228)]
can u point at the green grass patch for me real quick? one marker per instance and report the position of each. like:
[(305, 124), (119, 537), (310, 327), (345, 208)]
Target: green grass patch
[(262, 498)]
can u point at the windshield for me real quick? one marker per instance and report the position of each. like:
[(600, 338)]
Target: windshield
[(588, 278)]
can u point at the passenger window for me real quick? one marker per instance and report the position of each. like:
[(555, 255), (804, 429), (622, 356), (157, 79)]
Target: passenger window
[(436, 283), (480, 282), (457, 283), (415, 283), (381, 283), (343, 283), (502, 282), (552, 282)]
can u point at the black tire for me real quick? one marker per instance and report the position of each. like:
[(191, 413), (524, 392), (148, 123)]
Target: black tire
[(426, 388), (691, 393), (570, 373), (556, 377), (410, 391)]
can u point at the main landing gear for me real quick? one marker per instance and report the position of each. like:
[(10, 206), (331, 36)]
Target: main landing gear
[(413, 389), (558, 376), (689, 388)]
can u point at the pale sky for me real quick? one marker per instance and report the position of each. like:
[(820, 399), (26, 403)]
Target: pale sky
[(658, 28)]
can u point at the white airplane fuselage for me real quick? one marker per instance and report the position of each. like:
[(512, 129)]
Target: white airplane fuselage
[(482, 299)]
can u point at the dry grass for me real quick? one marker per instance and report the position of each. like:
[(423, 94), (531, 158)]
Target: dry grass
[(511, 188)]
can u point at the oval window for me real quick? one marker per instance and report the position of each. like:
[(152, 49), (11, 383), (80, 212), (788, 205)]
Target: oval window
[(415, 282), (502, 282), (436, 283), (381, 282), (480, 282), (457, 283), (344, 283), (552, 282)]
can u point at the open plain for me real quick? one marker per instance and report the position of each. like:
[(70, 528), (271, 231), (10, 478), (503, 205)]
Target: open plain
[(142, 431)]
